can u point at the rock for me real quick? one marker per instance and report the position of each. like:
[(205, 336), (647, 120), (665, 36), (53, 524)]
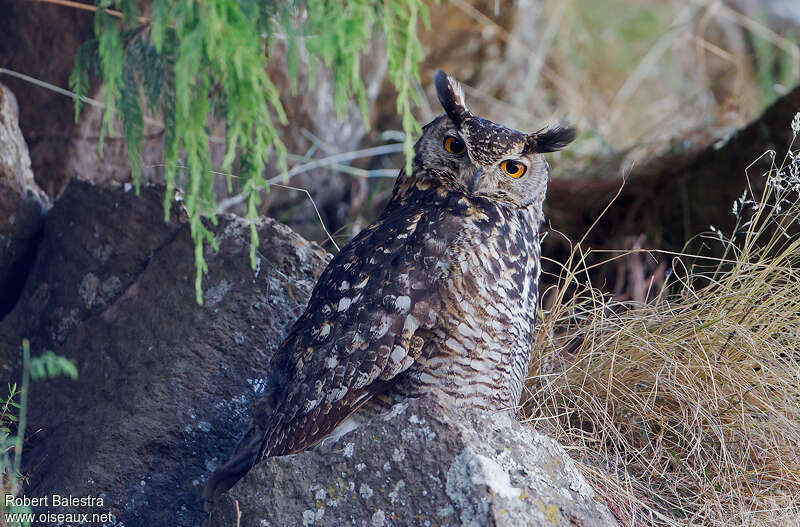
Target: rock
[(671, 199), (15, 163), (46, 117), (315, 127), (22, 204), (83, 160), (421, 464), (164, 385), (98, 241)]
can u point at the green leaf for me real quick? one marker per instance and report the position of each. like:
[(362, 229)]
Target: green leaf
[(196, 61)]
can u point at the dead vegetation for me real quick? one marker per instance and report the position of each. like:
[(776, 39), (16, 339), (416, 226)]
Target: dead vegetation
[(638, 77), (684, 406)]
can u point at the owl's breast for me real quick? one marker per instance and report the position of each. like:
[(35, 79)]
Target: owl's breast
[(496, 263), (483, 338)]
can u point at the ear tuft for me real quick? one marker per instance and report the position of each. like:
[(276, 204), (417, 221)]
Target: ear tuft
[(451, 96), (551, 139)]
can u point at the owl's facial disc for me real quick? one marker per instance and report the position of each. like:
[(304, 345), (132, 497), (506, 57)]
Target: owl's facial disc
[(479, 157)]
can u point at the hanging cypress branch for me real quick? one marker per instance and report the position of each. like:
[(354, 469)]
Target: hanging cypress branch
[(400, 20), (199, 59)]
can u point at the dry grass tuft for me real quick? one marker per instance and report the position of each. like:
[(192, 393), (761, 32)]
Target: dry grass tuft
[(686, 409)]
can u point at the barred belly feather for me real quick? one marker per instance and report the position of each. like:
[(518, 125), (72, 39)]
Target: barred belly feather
[(483, 364)]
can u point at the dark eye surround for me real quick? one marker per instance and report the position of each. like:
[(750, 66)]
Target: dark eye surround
[(454, 145), (513, 168)]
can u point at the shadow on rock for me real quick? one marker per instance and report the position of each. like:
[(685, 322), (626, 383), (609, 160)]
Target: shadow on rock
[(165, 385)]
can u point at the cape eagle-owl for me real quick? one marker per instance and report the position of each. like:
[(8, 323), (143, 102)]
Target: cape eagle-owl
[(439, 293)]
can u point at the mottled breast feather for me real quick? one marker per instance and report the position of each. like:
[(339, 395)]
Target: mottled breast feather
[(478, 351), (367, 320)]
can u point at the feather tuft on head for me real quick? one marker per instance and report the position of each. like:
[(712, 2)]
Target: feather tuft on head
[(550, 139), (451, 96)]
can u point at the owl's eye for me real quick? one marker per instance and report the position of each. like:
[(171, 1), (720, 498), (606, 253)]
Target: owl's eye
[(514, 169), (454, 145)]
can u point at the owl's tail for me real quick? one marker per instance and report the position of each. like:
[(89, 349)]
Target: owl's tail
[(226, 476)]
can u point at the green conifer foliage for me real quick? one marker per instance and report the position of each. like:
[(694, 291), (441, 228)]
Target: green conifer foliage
[(190, 60)]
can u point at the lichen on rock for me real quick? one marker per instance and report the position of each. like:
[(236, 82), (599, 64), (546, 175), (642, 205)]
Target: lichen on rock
[(457, 468)]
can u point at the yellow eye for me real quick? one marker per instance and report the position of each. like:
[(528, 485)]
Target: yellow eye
[(514, 169), (454, 145)]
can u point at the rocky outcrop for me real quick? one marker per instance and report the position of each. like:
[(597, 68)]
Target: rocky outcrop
[(669, 200), (164, 385), (420, 465), (40, 40), (15, 163), (22, 204)]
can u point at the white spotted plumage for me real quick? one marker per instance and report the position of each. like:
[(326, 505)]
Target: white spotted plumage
[(440, 293)]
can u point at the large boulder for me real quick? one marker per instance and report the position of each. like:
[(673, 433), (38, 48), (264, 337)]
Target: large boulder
[(422, 464), (165, 385), (22, 204)]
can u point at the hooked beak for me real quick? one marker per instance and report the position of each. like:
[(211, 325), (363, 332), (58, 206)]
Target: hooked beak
[(474, 179)]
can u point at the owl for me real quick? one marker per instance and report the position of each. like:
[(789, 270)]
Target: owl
[(440, 293)]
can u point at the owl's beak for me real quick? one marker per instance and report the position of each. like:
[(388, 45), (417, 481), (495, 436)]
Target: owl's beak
[(475, 179)]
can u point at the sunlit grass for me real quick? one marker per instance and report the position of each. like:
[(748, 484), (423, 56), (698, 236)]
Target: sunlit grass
[(639, 78), (686, 409)]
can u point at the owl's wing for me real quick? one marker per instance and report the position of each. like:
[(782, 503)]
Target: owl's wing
[(365, 324)]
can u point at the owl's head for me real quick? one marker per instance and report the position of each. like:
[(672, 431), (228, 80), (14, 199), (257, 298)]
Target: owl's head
[(481, 158)]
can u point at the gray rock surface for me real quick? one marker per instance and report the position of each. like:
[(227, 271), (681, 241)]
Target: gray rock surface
[(165, 385), (15, 163), (419, 465), (22, 203)]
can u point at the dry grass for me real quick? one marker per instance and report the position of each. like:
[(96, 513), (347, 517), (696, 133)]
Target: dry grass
[(686, 409)]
